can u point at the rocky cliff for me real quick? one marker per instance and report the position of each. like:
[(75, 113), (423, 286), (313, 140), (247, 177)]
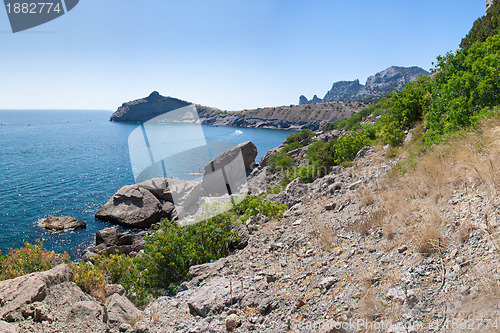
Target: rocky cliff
[(377, 85), (280, 117)]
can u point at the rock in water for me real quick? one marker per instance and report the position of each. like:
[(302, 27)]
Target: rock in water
[(60, 223), (132, 206)]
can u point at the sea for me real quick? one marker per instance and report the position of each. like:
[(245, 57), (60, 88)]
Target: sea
[(70, 162)]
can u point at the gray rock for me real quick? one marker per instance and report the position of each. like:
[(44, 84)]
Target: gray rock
[(111, 289), (143, 204), (335, 187), (265, 159), (60, 223), (121, 310), (27, 289), (243, 236), (267, 305), (8, 328), (86, 311), (363, 152), (213, 296), (108, 237), (132, 206), (327, 282), (232, 321), (141, 327), (248, 151), (280, 198), (259, 182)]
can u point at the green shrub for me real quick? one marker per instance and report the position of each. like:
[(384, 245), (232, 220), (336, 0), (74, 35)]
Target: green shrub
[(89, 278), (484, 27), (297, 137), (280, 162), (29, 259)]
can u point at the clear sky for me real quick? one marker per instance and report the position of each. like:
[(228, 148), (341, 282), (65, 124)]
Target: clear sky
[(231, 54)]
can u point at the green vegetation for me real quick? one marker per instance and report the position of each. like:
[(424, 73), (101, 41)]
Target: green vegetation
[(484, 27), (297, 137), (280, 161), (29, 259), (170, 251)]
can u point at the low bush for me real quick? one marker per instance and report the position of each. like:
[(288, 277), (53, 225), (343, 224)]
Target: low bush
[(29, 259), (297, 137)]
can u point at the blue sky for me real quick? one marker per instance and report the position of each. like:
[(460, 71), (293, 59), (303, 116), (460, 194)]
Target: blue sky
[(231, 54)]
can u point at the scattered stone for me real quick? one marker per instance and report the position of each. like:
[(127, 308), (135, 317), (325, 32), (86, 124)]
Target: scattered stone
[(326, 283), (121, 310), (267, 305), (111, 289), (124, 327), (402, 248), (299, 303), (232, 321), (331, 206)]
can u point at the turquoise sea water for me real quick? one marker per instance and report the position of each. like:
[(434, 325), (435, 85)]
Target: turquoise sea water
[(70, 163)]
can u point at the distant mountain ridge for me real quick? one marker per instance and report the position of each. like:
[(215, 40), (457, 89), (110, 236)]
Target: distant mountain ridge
[(377, 85)]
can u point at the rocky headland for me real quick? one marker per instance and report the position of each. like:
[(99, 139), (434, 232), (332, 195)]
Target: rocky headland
[(312, 117)]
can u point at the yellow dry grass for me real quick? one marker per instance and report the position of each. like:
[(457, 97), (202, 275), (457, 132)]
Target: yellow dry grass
[(414, 201)]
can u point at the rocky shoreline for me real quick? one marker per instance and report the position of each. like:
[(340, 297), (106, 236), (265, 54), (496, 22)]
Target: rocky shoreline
[(293, 117), (330, 264)]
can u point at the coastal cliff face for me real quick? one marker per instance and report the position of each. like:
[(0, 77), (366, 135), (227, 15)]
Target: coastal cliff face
[(281, 117), (377, 85)]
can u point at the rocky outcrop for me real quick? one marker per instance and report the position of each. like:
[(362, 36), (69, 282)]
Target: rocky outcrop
[(111, 241), (143, 204), (60, 223), (378, 85), (144, 109), (50, 302), (247, 150)]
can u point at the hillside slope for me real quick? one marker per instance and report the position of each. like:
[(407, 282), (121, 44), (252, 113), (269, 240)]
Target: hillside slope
[(358, 250)]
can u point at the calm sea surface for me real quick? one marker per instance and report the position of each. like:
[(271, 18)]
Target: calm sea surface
[(58, 163)]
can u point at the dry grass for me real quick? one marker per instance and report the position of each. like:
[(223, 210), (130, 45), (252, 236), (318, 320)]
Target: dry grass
[(367, 199), (429, 238), (464, 232), (417, 194), (373, 220), (325, 237), (370, 308)]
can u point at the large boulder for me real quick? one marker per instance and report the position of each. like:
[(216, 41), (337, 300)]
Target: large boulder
[(121, 310), (131, 206), (227, 174), (60, 223), (248, 151), (143, 204)]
